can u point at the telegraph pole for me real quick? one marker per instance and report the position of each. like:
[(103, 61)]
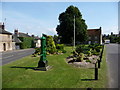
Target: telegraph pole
[(74, 32)]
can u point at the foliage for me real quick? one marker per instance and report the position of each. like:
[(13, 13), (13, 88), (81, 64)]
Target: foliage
[(82, 49), (65, 28), (64, 51), (51, 48), (56, 39), (89, 53), (113, 38), (80, 57), (88, 61), (27, 42), (92, 49), (37, 50), (60, 46)]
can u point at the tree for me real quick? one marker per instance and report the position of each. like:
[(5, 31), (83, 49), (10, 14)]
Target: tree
[(55, 38), (66, 27)]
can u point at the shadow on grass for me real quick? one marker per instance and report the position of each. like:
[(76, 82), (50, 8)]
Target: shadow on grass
[(23, 67), (33, 68), (87, 79)]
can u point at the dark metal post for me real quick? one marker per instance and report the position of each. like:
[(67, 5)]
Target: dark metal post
[(96, 72), (98, 63)]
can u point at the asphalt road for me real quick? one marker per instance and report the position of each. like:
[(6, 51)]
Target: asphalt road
[(10, 56), (112, 55)]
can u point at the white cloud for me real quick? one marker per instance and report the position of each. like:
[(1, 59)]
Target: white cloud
[(26, 24), (52, 30), (108, 30)]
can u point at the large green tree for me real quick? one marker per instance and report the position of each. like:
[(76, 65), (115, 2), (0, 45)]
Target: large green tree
[(66, 27)]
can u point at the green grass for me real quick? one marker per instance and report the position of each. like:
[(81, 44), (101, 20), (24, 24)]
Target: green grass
[(62, 75)]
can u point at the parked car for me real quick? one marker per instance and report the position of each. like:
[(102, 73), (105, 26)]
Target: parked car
[(107, 41)]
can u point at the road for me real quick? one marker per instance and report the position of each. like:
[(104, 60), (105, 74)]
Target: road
[(112, 55), (10, 56)]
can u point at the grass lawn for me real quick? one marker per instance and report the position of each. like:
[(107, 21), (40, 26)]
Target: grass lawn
[(62, 75)]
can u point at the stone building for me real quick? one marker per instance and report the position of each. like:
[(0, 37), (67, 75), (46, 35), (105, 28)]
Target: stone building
[(94, 36), (5, 39)]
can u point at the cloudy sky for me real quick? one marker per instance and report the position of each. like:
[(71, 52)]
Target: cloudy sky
[(42, 17)]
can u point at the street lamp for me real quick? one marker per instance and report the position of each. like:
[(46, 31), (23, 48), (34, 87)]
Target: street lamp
[(74, 32)]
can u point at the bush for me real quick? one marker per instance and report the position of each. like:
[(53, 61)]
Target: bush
[(51, 48), (80, 57), (37, 50), (82, 49), (64, 51), (89, 53), (60, 46), (27, 42), (88, 61), (95, 53)]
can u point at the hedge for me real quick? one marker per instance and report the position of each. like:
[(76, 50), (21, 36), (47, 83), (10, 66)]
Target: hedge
[(27, 42)]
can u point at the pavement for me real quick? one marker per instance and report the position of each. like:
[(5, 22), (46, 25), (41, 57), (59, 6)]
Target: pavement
[(112, 55), (10, 56)]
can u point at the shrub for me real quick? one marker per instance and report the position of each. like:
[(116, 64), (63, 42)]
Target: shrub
[(95, 53), (89, 53), (60, 46), (80, 57), (34, 55), (51, 48), (64, 51), (88, 61), (37, 50), (27, 42), (82, 49)]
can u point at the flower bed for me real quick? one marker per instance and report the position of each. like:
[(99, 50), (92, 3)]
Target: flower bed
[(85, 56)]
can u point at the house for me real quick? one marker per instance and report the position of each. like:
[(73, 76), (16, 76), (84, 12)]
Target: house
[(5, 39), (16, 39), (37, 41), (94, 36), (22, 40)]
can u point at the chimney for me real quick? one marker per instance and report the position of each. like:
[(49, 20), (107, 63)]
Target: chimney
[(100, 28), (2, 26), (16, 32)]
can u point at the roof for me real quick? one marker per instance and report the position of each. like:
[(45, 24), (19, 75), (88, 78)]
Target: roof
[(4, 32), (94, 31), (23, 35), (16, 39)]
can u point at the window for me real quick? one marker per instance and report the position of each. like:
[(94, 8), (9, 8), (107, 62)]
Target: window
[(95, 37), (89, 42), (96, 41), (89, 37)]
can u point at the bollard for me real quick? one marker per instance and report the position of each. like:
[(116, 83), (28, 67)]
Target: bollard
[(98, 63), (96, 72)]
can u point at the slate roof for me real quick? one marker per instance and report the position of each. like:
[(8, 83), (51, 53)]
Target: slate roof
[(94, 31), (23, 35), (4, 32), (16, 39)]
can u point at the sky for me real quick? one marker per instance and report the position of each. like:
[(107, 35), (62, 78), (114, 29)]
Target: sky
[(42, 17)]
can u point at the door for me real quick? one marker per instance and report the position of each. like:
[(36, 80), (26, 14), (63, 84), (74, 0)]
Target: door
[(4, 46)]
